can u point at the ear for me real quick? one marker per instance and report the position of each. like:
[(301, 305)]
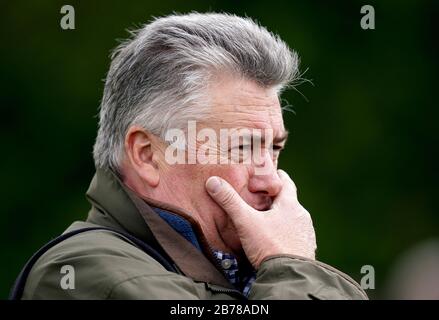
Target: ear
[(140, 155)]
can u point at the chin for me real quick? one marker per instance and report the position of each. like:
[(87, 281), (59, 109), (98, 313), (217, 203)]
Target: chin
[(232, 240), (236, 246)]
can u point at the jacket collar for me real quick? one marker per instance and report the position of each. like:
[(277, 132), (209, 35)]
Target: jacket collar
[(116, 206)]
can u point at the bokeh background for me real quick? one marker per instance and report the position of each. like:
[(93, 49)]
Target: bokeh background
[(363, 149)]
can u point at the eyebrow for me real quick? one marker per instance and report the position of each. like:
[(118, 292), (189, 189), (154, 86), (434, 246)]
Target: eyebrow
[(278, 139), (282, 138)]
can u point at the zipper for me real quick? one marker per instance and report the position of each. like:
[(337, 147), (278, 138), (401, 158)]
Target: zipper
[(218, 289)]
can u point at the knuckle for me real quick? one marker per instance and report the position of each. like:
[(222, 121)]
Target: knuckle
[(305, 216), (228, 198)]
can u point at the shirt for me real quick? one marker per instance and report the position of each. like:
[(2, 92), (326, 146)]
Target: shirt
[(227, 261)]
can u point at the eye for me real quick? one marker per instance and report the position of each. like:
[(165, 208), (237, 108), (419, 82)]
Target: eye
[(276, 151), (278, 148), (245, 147)]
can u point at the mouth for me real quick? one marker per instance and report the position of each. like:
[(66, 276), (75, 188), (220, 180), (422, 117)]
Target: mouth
[(263, 205)]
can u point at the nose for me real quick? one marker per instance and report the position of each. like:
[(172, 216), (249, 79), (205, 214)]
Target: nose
[(264, 178)]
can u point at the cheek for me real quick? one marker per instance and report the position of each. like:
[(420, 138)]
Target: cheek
[(236, 175), (187, 179)]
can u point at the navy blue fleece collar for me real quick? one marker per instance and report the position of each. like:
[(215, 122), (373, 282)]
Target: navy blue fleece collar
[(179, 224)]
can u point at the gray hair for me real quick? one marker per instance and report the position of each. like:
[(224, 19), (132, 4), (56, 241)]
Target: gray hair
[(158, 79)]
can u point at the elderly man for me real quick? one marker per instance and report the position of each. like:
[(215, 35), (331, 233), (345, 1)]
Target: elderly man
[(204, 227)]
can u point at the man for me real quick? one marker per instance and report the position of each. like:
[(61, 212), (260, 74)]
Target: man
[(218, 228)]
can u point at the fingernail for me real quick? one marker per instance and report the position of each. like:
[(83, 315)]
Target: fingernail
[(213, 184)]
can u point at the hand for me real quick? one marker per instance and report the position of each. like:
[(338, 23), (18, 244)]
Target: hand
[(284, 229)]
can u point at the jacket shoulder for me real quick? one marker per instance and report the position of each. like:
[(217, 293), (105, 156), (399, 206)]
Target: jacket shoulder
[(88, 265)]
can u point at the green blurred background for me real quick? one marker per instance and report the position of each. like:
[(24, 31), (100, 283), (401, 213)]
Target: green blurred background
[(362, 150)]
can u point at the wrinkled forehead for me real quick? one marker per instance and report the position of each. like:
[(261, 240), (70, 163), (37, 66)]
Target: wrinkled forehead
[(245, 104)]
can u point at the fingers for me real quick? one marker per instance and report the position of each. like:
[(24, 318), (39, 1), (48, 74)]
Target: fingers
[(226, 197), (289, 190), (286, 178)]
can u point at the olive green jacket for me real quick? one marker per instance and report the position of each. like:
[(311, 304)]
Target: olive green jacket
[(108, 266)]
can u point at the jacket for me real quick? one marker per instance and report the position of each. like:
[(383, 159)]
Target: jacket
[(107, 266)]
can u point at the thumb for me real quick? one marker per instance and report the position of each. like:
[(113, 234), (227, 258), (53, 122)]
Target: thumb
[(226, 197)]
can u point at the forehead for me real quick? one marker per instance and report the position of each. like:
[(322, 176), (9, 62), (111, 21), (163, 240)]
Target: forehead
[(240, 103)]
